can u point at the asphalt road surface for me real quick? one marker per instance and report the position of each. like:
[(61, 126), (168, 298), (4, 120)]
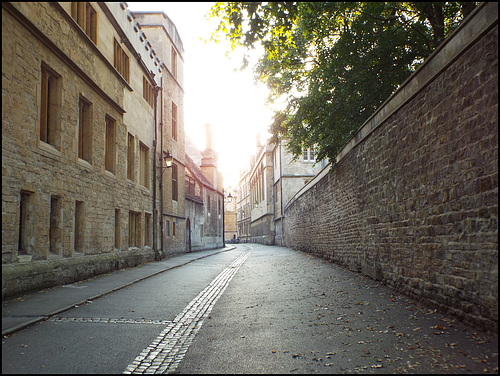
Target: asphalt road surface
[(253, 309)]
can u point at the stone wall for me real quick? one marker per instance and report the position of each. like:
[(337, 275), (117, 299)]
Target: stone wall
[(413, 199)]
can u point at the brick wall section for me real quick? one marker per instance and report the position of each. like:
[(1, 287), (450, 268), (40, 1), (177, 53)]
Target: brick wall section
[(415, 204)]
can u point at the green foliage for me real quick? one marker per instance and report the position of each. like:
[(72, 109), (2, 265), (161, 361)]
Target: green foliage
[(334, 63)]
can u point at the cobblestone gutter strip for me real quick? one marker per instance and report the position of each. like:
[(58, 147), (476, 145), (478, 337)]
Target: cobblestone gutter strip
[(166, 352), (108, 321)]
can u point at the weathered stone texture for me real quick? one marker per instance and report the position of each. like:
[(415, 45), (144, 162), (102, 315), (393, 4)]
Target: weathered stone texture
[(415, 204), (44, 35)]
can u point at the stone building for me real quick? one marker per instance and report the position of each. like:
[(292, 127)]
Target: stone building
[(289, 177), (266, 185), (204, 201), (167, 44), (78, 139), (230, 215)]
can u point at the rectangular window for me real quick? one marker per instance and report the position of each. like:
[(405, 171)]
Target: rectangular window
[(201, 231), (50, 106), (144, 165), (167, 228), (84, 129), (86, 17), (174, 62), (134, 228), (131, 157), (309, 154), (79, 227), (173, 228), (55, 241), (147, 92), (175, 187), (148, 234), (190, 186), (121, 61), (110, 147), (117, 229), (174, 121), (26, 224)]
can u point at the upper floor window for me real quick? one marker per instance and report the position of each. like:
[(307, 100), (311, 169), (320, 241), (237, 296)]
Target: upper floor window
[(85, 16), (50, 103), (84, 129), (121, 61), (175, 186), (110, 146), (174, 121), (174, 62), (144, 165), (131, 157), (190, 186), (147, 91), (309, 154)]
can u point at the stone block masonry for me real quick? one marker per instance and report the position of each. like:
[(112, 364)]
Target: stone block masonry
[(413, 199)]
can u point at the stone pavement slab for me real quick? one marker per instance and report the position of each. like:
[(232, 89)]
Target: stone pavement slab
[(31, 308)]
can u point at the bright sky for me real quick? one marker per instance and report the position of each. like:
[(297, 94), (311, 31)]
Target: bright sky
[(213, 92)]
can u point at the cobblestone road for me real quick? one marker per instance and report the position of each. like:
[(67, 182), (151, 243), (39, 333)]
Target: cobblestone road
[(166, 352)]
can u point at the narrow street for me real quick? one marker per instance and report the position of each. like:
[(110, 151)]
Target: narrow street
[(250, 309)]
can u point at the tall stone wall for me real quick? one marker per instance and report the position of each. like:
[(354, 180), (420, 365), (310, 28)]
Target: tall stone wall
[(413, 199)]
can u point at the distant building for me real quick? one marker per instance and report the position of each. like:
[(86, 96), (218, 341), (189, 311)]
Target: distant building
[(266, 185), (204, 202), (230, 215), (289, 177)]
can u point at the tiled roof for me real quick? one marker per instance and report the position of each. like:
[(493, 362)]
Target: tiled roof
[(196, 171)]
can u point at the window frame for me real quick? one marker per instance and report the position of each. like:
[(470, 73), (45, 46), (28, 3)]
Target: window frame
[(110, 145), (84, 129), (50, 106), (144, 165), (175, 182), (85, 16), (174, 122), (121, 61)]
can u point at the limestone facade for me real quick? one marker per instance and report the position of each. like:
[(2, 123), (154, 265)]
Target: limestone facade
[(167, 44), (266, 185), (79, 134)]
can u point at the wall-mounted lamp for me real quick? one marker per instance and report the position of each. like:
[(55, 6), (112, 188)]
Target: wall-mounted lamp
[(168, 159)]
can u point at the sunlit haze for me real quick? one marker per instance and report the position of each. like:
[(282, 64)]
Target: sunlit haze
[(213, 92)]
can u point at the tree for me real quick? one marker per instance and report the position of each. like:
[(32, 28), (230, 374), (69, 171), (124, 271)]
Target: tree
[(333, 63)]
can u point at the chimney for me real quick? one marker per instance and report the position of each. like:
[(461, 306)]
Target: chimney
[(208, 137), (208, 163)]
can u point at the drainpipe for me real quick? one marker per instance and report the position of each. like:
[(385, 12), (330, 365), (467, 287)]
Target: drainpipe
[(155, 219), (273, 197), (281, 200), (223, 220), (161, 177)]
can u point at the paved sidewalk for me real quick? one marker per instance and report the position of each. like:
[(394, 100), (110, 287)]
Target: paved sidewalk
[(31, 308)]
